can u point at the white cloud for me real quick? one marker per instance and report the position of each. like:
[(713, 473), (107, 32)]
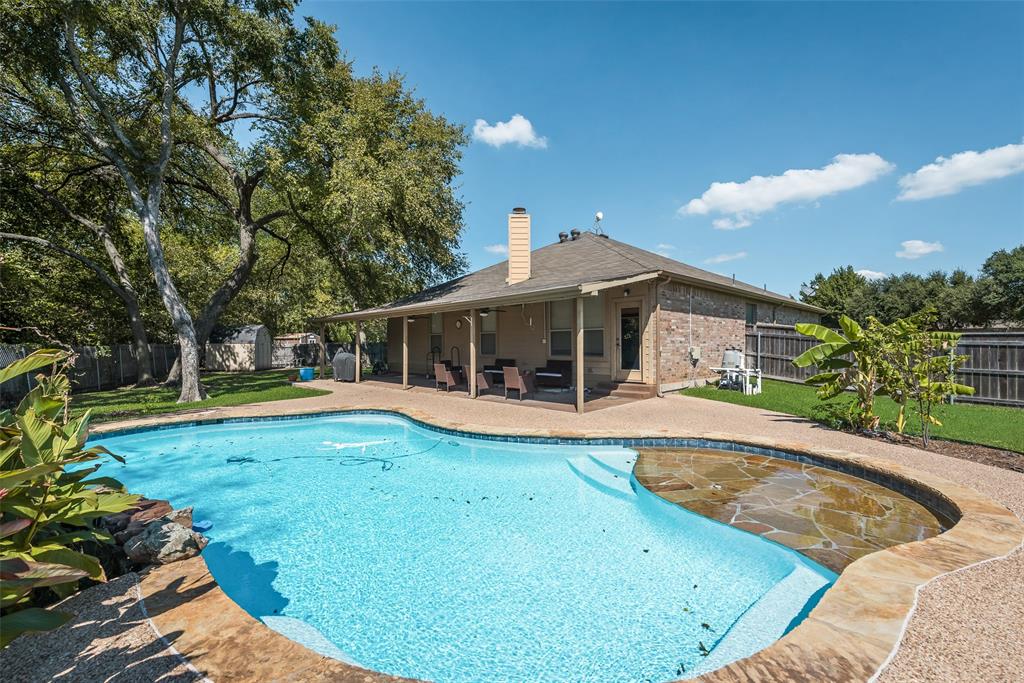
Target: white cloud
[(517, 129), (731, 223), (952, 174), (497, 249), (913, 249), (665, 249), (871, 274), (742, 202), (723, 258)]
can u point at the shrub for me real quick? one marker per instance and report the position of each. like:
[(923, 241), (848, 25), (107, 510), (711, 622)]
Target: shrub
[(49, 502)]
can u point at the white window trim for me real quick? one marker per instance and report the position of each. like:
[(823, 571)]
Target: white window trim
[(552, 330), (480, 334)]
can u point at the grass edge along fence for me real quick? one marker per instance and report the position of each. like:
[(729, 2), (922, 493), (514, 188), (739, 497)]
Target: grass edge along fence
[(95, 368), (995, 365), (98, 368)]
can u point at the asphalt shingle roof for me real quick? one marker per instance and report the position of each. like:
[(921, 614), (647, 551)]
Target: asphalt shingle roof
[(564, 266)]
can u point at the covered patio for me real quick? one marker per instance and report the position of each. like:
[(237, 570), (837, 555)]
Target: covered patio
[(570, 348)]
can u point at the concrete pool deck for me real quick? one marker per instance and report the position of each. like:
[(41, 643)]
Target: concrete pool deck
[(940, 641)]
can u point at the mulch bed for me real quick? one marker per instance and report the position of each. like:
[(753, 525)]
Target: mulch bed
[(986, 455)]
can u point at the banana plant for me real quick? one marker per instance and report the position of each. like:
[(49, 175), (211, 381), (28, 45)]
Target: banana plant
[(921, 367), (50, 499), (846, 359)]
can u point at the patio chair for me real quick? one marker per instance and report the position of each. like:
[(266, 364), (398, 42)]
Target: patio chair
[(483, 383), (557, 373), (443, 375), (518, 380), (495, 373)]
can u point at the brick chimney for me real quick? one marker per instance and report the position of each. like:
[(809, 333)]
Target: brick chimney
[(518, 246)]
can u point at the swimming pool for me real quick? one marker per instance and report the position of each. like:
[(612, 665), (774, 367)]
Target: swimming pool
[(413, 552)]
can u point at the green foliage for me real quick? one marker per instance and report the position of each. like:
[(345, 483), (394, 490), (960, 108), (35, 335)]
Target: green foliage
[(838, 293), (48, 511), (355, 175), (994, 426), (995, 297), (905, 360), (1002, 285), (863, 345)]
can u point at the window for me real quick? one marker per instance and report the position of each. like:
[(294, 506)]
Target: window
[(561, 315), (751, 314), (489, 333), (436, 331), (593, 326)]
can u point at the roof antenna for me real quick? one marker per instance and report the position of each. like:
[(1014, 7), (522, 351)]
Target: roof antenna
[(597, 229)]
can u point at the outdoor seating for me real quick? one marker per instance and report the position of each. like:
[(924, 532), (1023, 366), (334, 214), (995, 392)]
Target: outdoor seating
[(518, 380), (443, 375), (496, 372), (483, 382), (557, 373)]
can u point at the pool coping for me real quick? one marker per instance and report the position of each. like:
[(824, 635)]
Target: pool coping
[(851, 634)]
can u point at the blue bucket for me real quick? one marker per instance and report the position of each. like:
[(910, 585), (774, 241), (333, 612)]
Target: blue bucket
[(305, 374)]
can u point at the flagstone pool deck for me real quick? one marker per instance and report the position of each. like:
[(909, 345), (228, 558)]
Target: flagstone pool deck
[(947, 607)]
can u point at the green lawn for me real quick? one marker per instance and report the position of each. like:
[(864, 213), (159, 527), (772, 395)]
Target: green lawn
[(224, 388), (987, 425)]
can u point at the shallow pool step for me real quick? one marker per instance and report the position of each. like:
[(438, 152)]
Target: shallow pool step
[(307, 635), (604, 478), (764, 621), (617, 461)]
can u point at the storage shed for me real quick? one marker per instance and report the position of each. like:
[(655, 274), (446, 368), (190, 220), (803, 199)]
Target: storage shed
[(241, 349)]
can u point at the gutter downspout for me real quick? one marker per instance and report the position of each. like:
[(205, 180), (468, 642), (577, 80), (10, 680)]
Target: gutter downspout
[(657, 336)]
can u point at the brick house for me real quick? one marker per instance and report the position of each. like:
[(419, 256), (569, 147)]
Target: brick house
[(636, 319)]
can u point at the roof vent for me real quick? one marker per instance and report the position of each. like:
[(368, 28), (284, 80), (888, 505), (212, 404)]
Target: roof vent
[(575, 234), (563, 237), (519, 209)]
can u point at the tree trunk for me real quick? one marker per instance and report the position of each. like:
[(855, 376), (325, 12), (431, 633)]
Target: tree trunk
[(140, 342), (191, 389), (225, 294)]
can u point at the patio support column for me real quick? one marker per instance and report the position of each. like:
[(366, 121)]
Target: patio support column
[(359, 351), (472, 353), (405, 352), (323, 350), (579, 355)]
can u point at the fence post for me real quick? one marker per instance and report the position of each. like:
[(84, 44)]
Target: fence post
[(96, 360), (952, 375), (120, 365), (167, 367), (28, 375), (757, 329)]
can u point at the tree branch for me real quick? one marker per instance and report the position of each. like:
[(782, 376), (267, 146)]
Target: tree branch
[(94, 95), (84, 260), (279, 266)]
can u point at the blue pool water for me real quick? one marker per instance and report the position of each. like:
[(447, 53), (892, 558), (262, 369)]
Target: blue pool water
[(416, 553)]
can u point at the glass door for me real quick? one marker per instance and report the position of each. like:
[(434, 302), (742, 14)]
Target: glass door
[(629, 343)]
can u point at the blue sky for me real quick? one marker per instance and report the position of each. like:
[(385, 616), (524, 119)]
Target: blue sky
[(636, 109)]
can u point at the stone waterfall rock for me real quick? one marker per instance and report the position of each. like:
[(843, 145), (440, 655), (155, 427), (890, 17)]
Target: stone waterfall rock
[(144, 511), (164, 541)]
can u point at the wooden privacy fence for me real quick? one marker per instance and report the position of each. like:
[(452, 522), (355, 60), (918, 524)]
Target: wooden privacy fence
[(96, 367), (995, 364)]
